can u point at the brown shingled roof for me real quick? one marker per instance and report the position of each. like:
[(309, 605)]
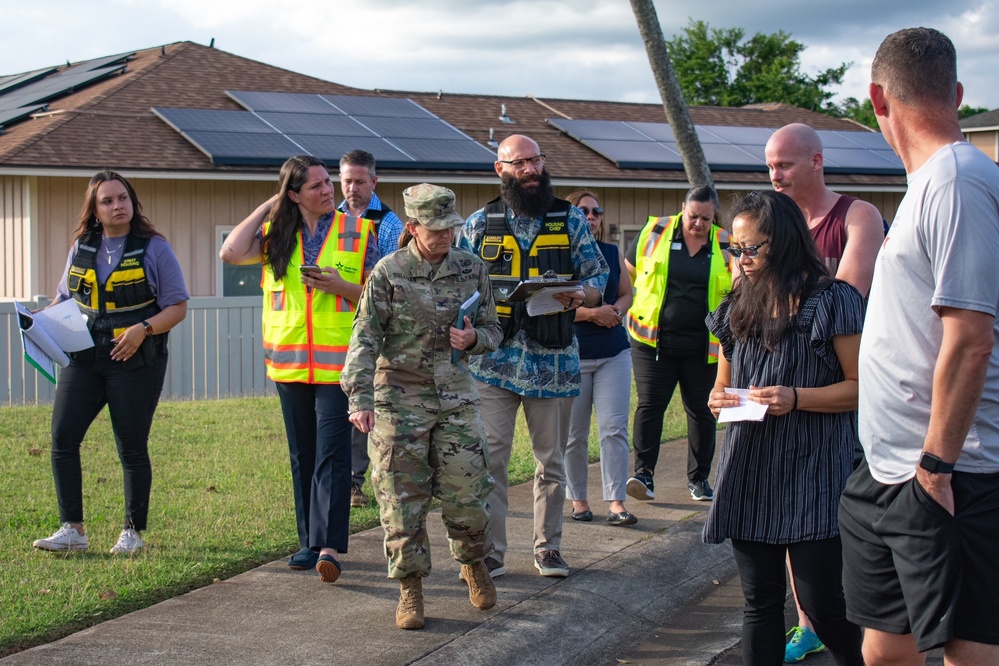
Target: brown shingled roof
[(110, 122)]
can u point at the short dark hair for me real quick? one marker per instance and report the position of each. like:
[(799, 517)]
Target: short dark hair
[(359, 158), (917, 65)]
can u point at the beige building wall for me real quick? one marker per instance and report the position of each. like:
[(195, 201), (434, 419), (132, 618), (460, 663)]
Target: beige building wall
[(17, 275), (191, 213), (987, 142)]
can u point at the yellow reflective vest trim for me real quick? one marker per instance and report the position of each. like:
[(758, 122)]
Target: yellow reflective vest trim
[(306, 332), (652, 273)]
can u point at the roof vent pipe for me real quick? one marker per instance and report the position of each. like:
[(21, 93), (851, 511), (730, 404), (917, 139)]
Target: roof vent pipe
[(503, 117)]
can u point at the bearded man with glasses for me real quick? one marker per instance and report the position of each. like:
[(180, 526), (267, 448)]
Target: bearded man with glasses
[(525, 233)]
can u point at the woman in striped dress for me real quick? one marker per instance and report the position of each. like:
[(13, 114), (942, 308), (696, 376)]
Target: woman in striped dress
[(790, 334)]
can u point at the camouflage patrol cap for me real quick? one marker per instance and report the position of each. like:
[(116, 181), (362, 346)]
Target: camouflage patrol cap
[(432, 206)]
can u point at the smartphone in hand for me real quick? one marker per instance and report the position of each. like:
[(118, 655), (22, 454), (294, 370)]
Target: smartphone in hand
[(310, 269)]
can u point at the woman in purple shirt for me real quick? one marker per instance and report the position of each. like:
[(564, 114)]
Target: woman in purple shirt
[(126, 279)]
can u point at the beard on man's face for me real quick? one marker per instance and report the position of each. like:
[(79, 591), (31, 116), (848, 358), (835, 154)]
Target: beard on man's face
[(531, 195)]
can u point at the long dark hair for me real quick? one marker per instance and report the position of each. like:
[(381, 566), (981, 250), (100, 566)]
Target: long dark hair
[(88, 222), (285, 218), (792, 269)]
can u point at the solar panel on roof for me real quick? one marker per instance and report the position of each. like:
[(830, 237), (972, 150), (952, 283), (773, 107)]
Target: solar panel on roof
[(869, 140), (203, 120), (10, 83), (850, 160), (598, 130), (244, 148), (437, 154), (385, 107), (836, 140), (97, 63), (726, 157), (12, 115), (638, 154), (655, 131), (652, 146), (398, 132), (331, 148), (753, 136), (282, 102), (315, 123), (49, 88), (409, 128)]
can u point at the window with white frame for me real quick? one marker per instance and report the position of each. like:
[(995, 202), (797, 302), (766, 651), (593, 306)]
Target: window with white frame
[(233, 280)]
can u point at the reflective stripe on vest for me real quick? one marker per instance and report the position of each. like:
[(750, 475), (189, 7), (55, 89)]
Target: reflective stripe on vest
[(652, 276), (306, 333)]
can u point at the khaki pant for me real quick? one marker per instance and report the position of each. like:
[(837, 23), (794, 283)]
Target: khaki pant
[(548, 428)]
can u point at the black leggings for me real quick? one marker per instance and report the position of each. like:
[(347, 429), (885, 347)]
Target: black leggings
[(817, 567), (131, 395), (655, 381)]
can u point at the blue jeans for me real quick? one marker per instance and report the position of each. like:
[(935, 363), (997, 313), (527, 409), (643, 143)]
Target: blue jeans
[(131, 391), (315, 420)]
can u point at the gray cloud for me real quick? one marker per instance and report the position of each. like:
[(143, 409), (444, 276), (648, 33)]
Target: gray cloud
[(588, 49)]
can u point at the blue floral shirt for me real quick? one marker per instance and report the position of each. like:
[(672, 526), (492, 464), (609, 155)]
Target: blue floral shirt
[(521, 365)]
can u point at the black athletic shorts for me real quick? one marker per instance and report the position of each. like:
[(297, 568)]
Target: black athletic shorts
[(911, 567)]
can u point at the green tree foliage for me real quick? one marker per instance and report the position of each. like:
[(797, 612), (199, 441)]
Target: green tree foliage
[(863, 112), (719, 67), (966, 111)]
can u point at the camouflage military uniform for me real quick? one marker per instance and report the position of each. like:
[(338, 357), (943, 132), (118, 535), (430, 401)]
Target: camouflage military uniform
[(428, 439)]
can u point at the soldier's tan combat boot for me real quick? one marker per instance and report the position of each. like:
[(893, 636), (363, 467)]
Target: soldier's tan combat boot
[(409, 612), (481, 590)]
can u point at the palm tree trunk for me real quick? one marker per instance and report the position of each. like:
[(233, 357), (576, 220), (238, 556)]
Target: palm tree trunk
[(694, 164)]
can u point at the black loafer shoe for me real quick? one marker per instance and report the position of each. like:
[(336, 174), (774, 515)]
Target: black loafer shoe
[(303, 559), (583, 516), (623, 518)]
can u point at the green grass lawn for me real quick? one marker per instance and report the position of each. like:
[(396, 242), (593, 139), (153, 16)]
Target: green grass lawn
[(221, 504)]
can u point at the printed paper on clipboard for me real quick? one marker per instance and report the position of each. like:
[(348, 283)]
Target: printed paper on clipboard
[(528, 288)]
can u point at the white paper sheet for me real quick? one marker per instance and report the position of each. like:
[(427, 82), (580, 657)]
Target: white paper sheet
[(746, 411), (544, 302)]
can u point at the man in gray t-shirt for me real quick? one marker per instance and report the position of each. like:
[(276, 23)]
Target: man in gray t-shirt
[(920, 519)]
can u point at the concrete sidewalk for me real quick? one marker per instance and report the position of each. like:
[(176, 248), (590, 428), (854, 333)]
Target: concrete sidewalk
[(626, 584)]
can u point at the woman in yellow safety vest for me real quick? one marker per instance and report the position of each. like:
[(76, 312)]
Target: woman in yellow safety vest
[(682, 273), (315, 259)]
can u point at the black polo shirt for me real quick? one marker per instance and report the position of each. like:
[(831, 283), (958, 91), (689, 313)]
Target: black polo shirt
[(681, 320)]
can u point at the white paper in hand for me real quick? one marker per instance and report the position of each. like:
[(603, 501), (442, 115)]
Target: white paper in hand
[(543, 301), (746, 411)]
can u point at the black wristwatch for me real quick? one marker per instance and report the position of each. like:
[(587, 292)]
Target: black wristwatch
[(935, 465), (148, 328)]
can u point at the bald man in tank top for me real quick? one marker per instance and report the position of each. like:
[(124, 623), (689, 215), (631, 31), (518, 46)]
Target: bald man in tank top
[(848, 231)]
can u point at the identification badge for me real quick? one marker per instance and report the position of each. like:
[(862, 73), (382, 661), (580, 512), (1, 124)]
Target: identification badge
[(676, 245)]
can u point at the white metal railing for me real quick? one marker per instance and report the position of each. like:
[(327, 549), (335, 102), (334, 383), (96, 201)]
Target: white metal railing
[(214, 353)]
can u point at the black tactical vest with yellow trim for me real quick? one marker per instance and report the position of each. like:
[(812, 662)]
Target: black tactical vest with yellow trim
[(124, 300), (508, 266)]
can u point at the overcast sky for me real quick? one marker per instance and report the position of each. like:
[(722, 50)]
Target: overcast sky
[(582, 49)]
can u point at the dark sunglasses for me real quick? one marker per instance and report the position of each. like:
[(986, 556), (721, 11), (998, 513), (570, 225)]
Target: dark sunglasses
[(751, 251), (586, 211)]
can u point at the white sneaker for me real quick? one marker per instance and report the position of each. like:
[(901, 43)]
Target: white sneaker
[(129, 542), (65, 538)]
